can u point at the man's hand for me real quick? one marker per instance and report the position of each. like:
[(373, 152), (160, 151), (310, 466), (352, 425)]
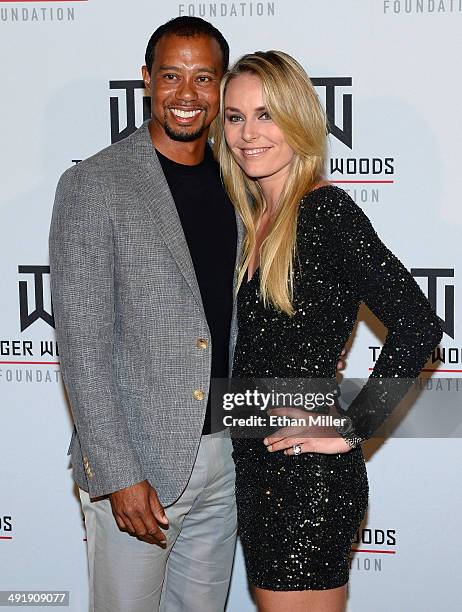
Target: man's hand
[(138, 511)]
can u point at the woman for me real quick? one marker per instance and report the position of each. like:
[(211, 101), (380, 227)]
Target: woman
[(310, 258)]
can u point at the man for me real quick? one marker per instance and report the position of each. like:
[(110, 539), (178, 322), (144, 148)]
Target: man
[(143, 247)]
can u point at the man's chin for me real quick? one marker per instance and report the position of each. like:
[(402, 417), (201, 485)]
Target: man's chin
[(183, 135)]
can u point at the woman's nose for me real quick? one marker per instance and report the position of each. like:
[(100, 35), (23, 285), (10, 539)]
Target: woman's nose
[(249, 131)]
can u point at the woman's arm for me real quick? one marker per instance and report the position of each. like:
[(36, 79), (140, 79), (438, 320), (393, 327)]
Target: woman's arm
[(392, 294)]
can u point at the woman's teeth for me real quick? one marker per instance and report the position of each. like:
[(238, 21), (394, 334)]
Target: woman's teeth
[(254, 152)]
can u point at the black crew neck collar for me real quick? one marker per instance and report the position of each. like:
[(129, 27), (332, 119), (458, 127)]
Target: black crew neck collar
[(186, 168)]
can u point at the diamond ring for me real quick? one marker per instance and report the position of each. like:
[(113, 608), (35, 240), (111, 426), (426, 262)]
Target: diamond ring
[(297, 449)]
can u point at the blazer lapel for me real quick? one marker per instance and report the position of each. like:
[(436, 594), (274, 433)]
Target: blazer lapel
[(240, 239), (158, 199)]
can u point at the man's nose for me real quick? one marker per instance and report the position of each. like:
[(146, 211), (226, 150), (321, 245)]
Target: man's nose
[(186, 90)]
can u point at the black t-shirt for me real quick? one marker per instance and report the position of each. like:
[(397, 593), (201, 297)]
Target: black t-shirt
[(209, 225)]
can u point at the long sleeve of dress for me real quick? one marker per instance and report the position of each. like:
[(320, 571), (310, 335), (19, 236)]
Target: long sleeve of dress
[(392, 294)]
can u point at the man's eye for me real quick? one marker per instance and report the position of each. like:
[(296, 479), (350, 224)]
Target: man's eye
[(204, 79), (169, 77), (234, 118)]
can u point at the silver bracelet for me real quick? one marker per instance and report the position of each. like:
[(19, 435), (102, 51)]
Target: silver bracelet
[(348, 433), (351, 439)]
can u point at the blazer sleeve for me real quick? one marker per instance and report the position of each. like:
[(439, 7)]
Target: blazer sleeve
[(392, 294), (82, 286)]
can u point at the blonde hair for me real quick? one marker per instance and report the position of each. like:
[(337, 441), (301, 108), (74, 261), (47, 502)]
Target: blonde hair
[(294, 106)]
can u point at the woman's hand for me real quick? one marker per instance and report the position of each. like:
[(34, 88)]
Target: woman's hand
[(310, 438), (341, 360)]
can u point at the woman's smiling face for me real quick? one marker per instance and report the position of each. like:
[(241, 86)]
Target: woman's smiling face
[(257, 144)]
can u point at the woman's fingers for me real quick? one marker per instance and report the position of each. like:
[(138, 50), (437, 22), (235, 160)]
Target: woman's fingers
[(285, 443), (311, 445)]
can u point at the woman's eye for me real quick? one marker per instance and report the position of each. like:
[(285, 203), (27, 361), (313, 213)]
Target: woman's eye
[(265, 116), (234, 118)]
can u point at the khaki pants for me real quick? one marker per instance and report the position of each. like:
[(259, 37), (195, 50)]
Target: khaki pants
[(192, 574)]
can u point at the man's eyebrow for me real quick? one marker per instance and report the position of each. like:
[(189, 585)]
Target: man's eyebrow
[(207, 69), (201, 69)]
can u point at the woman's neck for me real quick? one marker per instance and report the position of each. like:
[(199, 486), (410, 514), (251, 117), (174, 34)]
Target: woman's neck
[(271, 187)]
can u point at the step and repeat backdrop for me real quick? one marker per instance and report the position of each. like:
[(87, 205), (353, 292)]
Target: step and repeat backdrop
[(387, 72)]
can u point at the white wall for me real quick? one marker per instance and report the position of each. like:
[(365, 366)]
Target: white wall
[(402, 63)]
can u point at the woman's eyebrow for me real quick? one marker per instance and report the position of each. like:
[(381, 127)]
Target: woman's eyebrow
[(236, 110)]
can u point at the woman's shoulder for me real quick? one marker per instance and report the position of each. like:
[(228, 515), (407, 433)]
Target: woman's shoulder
[(330, 204), (326, 198)]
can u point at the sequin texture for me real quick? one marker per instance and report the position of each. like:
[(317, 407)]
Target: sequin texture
[(298, 515)]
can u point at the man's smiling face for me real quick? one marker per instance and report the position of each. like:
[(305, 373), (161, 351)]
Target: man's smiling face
[(185, 85)]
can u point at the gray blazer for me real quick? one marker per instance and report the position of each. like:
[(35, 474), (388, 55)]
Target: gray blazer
[(128, 315)]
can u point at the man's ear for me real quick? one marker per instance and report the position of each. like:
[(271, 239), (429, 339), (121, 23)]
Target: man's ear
[(146, 77)]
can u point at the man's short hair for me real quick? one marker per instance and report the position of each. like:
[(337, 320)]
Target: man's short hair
[(187, 27)]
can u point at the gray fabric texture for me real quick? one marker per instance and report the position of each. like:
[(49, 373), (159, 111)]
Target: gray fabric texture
[(128, 313), (192, 573)]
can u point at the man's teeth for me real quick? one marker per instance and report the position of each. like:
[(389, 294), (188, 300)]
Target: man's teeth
[(185, 114)]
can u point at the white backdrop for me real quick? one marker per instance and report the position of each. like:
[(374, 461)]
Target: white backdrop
[(388, 71)]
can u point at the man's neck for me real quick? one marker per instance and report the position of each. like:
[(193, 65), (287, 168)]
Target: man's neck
[(188, 153)]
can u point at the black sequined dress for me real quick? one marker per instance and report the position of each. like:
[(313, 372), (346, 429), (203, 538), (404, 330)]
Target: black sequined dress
[(298, 515)]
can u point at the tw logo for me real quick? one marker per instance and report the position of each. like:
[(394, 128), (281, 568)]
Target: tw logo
[(128, 101), (28, 315), (131, 102), (432, 275)]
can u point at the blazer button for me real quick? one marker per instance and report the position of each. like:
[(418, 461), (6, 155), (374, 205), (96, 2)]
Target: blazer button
[(198, 394), (202, 343)]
